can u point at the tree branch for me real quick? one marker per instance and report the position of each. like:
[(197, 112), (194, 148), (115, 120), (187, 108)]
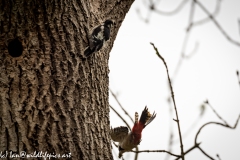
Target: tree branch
[(115, 97), (191, 24), (190, 149), (216, 23), (170, 13), (216, 123), (173, 99), (237, 73), (214, 14), (148, 151), (120, 117), (219, 158), (205, 153), (214, 111)]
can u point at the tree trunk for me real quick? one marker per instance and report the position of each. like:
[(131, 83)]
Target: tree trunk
[(51, 98)]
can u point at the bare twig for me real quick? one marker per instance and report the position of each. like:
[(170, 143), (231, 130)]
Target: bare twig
[(205, 153), (216, 123), (219, 158), (120, 117), (191, 15), (171, 133), (115, 97), (191, 24), (170, 13), (114, 151), (152, 7), (217, 24), (170, 142), (237, 73), (136, 155), (141, 17), (214, 14), (115, 144), (173, 99), (190, 149), (148, 151), (239, 25), (197, 145), (188, 56), (207, 102), (198, 118)]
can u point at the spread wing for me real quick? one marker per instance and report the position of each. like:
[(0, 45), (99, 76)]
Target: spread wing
[(119, 133)]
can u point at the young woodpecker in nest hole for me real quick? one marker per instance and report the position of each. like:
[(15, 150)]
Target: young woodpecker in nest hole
[(99, 35), (128, 141)]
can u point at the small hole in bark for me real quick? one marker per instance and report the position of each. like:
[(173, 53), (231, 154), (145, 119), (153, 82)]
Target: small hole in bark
[(15, 48)]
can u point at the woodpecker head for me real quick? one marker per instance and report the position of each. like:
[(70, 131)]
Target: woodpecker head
[(108, 23)]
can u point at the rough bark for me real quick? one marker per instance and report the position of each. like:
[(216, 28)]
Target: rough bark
[(51, 98)]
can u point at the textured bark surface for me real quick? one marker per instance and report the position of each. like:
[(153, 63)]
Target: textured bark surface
[(51, 99)]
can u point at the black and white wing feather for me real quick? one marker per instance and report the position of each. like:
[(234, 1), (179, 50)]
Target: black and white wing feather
[(119, 133)]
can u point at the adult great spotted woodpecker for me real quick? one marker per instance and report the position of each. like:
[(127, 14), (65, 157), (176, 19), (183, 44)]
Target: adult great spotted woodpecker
[(99, 35), (128, 141)]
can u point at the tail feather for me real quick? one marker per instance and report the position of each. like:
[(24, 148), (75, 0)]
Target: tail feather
[(88, 52), (150, 119), (136, 117), (147, 117)]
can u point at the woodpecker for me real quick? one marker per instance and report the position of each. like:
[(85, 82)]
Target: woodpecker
[(128, 141), (99, 35)]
